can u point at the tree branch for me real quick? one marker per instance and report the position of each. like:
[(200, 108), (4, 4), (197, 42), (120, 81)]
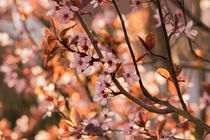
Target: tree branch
[(94, 42), (138, 101), (197, 21), (169, 57), (189, 41)]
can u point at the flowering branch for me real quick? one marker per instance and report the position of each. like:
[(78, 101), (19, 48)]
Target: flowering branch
[(138, 101), (144, 90), (197, 21), (189, 41), (169, 57), (94, 42)]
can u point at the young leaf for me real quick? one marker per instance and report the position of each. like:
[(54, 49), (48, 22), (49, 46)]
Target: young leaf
[(141, 122), (160, 128), (164, 73), (75, 117), (64, 31), (144, 44), (150, 41)]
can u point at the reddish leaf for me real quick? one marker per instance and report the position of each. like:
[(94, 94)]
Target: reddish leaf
[(144, 44), (149, 43), (151, 40), (164, 73), (53, 27), (160, 128), (62, 51), (74, 40), (75, 117), (141, 122), (64, 31)]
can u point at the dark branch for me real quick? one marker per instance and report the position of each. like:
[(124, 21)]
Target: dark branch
[(169, 57)]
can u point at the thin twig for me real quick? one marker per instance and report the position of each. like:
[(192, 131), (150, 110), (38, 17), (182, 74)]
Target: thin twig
[(130, 48), (170, 58), (94, 42), (189, 41), (197, 21), (138, 101), (160, 56)]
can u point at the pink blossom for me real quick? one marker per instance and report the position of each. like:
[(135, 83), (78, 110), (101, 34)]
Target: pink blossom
[(129, 75), (110, 63), (105, 119), (103, 89), (64, 14), (84, 42), (91, 67), (53, 7), (189, 32), (179, 13), (80, 63), (131, 129), (96, 3), (69, 3)]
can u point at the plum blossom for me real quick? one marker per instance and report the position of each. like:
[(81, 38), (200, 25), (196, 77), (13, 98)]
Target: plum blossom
[(10, 79), (109, 63), (129, 75), (53, 7), (84, 64), (80, 63), (188, 31), (96, 3), (42, 135), (103, 89), (104, 121), (178, 13), (84, 42), (64, 14), (131, 129)]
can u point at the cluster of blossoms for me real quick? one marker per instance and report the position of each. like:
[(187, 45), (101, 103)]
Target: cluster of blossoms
[(74, 78), (176, 25), (63, 10), (86, 62)]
